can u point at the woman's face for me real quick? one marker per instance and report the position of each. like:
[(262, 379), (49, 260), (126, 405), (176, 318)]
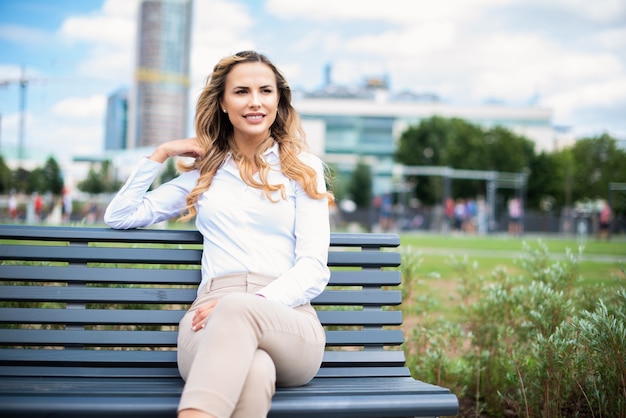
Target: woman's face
[(251, 100)]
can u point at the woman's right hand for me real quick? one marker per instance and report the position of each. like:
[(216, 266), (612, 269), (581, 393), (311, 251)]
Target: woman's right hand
[(188, 147), (202, 314)]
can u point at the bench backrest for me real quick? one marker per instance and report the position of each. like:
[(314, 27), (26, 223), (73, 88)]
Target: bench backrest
[(108, 302)]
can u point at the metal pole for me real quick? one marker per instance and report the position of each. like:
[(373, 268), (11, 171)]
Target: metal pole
[(20, 149)]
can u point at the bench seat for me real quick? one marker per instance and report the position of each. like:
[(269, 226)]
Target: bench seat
[(88, 326)]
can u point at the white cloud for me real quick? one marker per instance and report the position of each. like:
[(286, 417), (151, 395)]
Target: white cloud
[(406, 12), (62, 138), (601, 93), (597, 10), (613, 39), (23, 34), (218, 30), (10, 72), (418, 39), (93, 107), (111, 34)]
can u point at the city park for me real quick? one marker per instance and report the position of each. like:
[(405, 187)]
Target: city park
[(527, 322)]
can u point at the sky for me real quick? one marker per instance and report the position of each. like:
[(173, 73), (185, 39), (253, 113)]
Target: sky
[(565, 55)]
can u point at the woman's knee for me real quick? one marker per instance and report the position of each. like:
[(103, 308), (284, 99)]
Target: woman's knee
[(233, 305)]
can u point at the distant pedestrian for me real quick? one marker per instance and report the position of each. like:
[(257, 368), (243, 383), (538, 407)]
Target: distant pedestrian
[(13, 207), (38, 206), (515, 216), (605, 222), (67, 205)]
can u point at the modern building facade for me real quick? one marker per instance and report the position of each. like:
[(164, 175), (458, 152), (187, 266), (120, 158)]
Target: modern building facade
[(116, 125), (159, 102), (365, 124)]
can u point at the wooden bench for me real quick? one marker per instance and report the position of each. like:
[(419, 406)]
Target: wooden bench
[(88, 324)]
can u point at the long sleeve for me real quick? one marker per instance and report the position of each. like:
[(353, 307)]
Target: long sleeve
[(309, 275), (134, 206)]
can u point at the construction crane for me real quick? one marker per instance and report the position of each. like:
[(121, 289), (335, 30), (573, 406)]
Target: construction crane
[(22, 81)]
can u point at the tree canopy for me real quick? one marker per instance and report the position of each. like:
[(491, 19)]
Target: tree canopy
[(582, 171)]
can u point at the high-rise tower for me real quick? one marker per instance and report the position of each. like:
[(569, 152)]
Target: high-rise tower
[(159, 101), (115, 130)]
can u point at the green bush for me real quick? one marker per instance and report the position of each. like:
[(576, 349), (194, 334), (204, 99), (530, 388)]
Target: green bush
[(534, 344)]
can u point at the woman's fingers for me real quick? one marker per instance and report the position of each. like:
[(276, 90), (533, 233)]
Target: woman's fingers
[(201, 315)]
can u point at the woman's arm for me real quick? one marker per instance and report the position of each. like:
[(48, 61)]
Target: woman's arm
[(310, 274), (133, 206)]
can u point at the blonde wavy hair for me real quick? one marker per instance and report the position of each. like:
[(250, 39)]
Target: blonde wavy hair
[(215, 133)]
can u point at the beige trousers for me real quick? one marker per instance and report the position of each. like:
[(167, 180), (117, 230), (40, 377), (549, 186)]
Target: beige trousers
[(248, 346)]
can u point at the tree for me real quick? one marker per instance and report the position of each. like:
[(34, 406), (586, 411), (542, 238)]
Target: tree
[(459, 144), (37, 181), (360, 187), (547, 180), (54, 177), (598, 162), (507, 151), (169, 172), (99, 181), (5, 177)]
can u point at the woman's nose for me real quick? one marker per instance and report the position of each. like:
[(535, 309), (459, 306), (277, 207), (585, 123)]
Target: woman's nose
[(255, 100)]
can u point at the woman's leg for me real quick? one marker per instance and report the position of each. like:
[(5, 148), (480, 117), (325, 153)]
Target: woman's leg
[(256, 395), (220, 375)]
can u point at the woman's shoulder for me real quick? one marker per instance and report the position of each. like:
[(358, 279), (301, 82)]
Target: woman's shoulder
[(310, 159)]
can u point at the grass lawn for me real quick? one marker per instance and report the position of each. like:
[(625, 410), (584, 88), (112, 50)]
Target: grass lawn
[(437, 278)]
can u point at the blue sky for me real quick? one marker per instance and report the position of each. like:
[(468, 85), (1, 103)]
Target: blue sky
[(566, 55)]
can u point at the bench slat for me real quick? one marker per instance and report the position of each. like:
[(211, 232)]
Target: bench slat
[(99, 275), (366, 297), (122, 358), (367, 259), (100, 254), (349, 397), (92, 234), (30, 337), (167, 276), (97, 295), (169, 317), (49, 371), (365, 278)]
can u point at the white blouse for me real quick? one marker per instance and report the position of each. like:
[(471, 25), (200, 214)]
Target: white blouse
[(243, 230)]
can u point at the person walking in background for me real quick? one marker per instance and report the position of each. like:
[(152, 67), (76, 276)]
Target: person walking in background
[(38, 206), (482, 215), (604, 232), (515, 216), (67, 205), (260, 201), (13, 207)]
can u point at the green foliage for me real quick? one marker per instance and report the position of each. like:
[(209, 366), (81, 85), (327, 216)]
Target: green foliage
[(54, 177), (5, 176), (169, 172), (99, 180), (48, 178), (360, 187), (459, 144), (597, 161), (582, 171), (531, 344)]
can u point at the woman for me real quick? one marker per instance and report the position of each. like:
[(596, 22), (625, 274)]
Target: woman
[(261, 205)]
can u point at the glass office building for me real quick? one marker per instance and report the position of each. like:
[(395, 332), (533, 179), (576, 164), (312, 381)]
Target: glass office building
[(115, 130), (160, 97)]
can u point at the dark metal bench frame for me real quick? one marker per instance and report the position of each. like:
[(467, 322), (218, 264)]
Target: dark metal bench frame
[(88, 327)]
